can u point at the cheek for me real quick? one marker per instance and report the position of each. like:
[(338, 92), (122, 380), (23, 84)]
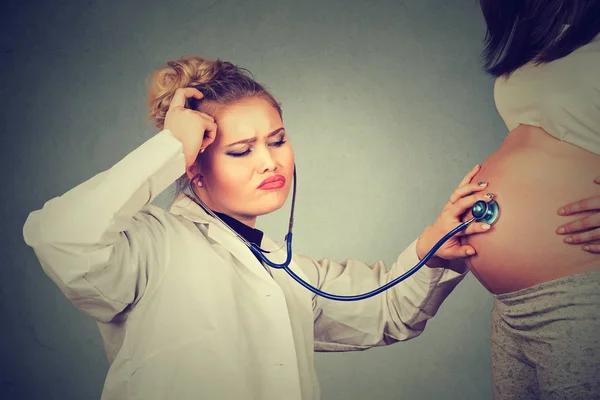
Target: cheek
[(288, 157), (230, 177)]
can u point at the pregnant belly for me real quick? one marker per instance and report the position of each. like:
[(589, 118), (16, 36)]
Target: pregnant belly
[(532, 174)]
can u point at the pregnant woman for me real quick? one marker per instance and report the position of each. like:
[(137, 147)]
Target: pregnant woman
[(545, 56)]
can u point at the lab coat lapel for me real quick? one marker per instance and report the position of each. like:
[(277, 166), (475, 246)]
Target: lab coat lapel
[(279, 257), (238, 249), (186, 207)]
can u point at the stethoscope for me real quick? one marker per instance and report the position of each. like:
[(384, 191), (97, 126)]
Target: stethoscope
[(487, 212)]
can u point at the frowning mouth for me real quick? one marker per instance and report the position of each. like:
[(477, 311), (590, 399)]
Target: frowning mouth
[(272, 182)]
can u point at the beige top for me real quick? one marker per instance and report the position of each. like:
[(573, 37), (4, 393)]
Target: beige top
[(185, 309), (562, 97)]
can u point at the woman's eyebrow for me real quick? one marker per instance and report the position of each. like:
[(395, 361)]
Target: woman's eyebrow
[(253, 139)]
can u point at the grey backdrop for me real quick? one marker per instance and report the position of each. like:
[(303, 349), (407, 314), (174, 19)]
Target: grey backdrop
[(387, 108)]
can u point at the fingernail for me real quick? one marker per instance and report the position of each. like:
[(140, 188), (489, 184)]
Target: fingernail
[(489, 195), (561, 230), (586, 248), (481, 184), (485, 226), (470, 252), (569, 239), (201, 151), (562, 211)]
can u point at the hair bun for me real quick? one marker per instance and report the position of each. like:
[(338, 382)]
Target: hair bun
[(185, 72), (221, 83)]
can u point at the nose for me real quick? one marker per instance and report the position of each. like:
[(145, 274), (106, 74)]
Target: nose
[(266, 161)]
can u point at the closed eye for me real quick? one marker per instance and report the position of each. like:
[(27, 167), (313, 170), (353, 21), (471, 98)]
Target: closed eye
[(243, 153), (278, 143)]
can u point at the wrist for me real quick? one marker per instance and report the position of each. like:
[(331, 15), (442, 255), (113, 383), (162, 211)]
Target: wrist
[(421, 246)]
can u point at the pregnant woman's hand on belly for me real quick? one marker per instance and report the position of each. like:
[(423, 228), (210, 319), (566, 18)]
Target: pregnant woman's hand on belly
[(586, 230), (461, 201)]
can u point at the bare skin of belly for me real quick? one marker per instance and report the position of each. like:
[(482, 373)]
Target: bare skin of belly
[(532, 174)]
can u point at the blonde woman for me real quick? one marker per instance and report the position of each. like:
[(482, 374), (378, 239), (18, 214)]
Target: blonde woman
[(185, 309)]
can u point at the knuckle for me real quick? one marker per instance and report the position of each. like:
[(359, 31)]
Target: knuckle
[(570, 228), (458, 203), (585, 203), (572, 208), (567, 228)]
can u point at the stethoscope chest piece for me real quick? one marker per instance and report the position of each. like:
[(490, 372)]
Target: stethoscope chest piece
[(486, 212)]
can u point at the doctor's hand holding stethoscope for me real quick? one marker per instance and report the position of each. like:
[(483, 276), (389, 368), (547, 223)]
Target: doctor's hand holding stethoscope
[(460, 203)]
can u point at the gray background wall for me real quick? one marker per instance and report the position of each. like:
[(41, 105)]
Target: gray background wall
[(390, 93)]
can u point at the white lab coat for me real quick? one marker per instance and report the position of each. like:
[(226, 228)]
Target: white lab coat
[(185, 309)]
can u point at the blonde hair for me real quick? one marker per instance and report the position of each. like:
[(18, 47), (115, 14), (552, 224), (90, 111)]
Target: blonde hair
[(220, 82)]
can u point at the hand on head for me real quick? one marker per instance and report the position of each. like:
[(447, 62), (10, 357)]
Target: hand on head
[(194, 129)]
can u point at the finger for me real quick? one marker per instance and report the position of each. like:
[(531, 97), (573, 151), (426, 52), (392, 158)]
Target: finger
[(591, 221), (460, 252), (208, 117), (475, 228), (584, 237), (466, 203), (592, 248), (462, 191), (182, 94), (591, 203), (470, 175), (597, 180), (209, 135)]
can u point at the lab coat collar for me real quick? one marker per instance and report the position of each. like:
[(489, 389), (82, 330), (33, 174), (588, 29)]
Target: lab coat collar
[(185, 207)]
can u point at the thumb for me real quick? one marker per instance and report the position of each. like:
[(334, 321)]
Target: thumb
[(461, 252)]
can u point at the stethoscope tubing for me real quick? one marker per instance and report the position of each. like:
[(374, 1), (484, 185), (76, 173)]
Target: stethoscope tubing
[(259, 252), (285, 266)]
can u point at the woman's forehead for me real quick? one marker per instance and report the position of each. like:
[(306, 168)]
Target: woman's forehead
[(246, 119)]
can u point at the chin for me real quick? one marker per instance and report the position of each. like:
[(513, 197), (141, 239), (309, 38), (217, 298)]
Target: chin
[(269, 208), (270, 204)]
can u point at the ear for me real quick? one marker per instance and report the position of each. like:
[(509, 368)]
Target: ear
[(193, 170)]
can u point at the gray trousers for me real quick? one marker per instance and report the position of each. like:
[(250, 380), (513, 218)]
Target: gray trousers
[(546, 340)]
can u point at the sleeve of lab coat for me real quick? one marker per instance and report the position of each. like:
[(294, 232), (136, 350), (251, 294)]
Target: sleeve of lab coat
[(400, 313), (99, 242)]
